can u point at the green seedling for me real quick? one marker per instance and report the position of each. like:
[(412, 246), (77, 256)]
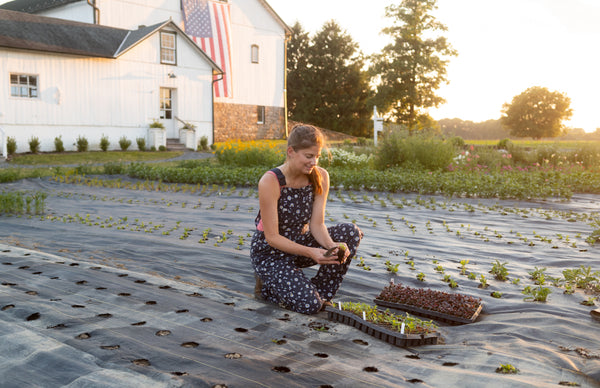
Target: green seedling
[(499, 270), (507, 369), (539, 294)]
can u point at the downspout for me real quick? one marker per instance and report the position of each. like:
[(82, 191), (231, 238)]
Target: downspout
[(212, 95), (285, 107), (92, 3)]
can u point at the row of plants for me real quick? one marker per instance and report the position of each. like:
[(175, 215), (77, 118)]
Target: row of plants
[(406, 324), (81, 143), (18, 202)]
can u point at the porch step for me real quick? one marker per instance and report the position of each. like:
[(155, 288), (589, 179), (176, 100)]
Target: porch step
[(175, 145)]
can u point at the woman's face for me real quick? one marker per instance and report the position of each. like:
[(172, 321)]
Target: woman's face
[(305, 159)]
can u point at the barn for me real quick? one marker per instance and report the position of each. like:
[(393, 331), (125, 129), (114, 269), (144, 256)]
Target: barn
[(116, 68)]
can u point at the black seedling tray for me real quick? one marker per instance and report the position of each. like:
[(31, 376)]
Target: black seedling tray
[(389, 336), (451, 319)]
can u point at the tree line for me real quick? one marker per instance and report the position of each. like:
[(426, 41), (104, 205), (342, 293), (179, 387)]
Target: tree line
[(333, 85)]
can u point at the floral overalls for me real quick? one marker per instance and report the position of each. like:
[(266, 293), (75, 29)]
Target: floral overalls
[(284, 282)]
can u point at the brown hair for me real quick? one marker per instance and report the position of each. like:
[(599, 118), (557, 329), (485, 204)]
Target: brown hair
[(305, 136)]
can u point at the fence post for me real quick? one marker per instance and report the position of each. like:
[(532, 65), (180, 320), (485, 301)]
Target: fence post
[(377, 124)]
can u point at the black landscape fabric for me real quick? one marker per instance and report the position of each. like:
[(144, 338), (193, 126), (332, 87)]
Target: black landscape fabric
[(120, 287)]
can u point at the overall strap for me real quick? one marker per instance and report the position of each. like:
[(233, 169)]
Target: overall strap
[(279, 175)]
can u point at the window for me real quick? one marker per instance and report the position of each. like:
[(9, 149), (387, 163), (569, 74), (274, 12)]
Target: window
[(166, 106), (260, 114), (254, 53), (22, 85), (168, 52)]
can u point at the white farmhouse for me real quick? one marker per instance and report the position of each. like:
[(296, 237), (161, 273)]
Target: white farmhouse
[(93, 68)]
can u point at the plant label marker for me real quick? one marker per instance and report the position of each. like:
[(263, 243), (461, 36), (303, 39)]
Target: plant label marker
[(402, 328), (340, 305), (364, 316)]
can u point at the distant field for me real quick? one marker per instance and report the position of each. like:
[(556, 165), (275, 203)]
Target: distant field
[(536, 143)]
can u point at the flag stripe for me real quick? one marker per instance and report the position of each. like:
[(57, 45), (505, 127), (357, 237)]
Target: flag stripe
[(213, 39)]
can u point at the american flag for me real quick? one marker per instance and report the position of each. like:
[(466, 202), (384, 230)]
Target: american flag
[(209, 24)]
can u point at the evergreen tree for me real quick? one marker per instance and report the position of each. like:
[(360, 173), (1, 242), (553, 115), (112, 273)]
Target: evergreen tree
[(409, 70), (330, 87), (297, 66)]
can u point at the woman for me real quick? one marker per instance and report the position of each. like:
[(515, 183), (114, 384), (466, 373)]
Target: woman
[(291, 234)]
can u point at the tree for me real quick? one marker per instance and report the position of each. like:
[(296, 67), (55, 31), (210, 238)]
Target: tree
[(409, 70), (326, 85), (297, 65), (536, 113)]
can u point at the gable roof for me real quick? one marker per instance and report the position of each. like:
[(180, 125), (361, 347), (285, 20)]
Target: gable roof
[(33, 6), (25, 31)]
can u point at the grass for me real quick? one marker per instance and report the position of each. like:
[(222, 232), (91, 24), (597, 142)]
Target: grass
[(60, 159)]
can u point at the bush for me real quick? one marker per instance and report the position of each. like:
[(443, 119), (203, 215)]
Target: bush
[(82, 144), (157, 124), (337, 157), (34, 145), (248, 154), (11, 145), (104, 143), (505, 144), (422, 151), (124, 143), (204, 143), (58, 144), (457, 141), (114, 168), (141, 143), (162, 148)]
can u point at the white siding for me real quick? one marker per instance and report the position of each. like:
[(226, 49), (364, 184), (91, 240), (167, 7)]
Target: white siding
[(253, 84), (90, 97)]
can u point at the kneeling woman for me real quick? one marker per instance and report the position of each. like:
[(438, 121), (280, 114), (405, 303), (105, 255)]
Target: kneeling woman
[(291, 233)]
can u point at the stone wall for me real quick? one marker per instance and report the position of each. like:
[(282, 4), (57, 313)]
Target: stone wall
[(239, 122)]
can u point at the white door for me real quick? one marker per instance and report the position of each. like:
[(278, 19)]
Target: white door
[(167, 112)]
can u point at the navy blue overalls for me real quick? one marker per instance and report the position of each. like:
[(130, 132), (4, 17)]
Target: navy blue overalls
[(284, 282)]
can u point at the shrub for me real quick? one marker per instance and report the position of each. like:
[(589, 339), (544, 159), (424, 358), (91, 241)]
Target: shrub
[(82, 144), (11, 145), (141, 143), (34, 144), (114, 168), (124, 143), (162, 148), (104, 143), (457, 141), (337, 157), (157, 124), (58, 144), (423, 151), (248, 154), (505, 144), (204, 143)]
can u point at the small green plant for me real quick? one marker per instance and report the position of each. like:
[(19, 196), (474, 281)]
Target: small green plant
[(34, 144), (590, 301), (463, 266), (124, 143), (452, 283), (499, 270), (496, 294), (538, 275), (507, 369), (203, 143), (439, 268), (421, 277), (141, 143), (11, 145), (162, 148), (104, 143), (82, 144), (482, 281), (539, 294), (157, 124), (393, 268), (58, 144)]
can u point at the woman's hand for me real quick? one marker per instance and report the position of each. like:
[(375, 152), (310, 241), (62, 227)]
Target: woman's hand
[(336, 255)]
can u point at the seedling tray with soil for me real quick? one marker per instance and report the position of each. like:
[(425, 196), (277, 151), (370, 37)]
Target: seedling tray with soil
[(416, 336), (451, 308)]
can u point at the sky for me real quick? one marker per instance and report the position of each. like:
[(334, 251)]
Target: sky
[(504, 47)]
